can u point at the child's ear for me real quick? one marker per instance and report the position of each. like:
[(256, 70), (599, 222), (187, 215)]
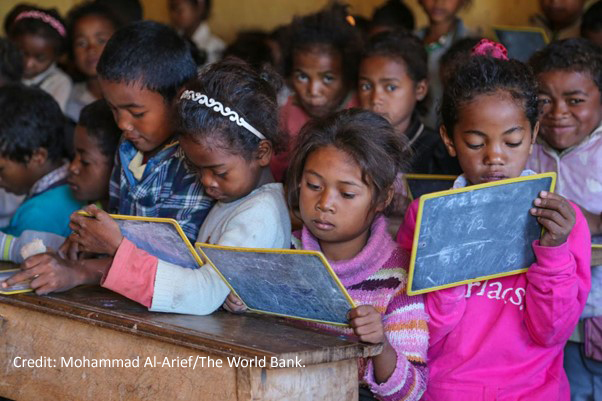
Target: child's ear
[(264, 153), (421, 90), (534, 136), (447, 141), (38, 158), (382, 206)]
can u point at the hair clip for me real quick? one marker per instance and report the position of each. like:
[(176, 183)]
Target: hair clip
[(490, 48), (47, 18), (216, 106)]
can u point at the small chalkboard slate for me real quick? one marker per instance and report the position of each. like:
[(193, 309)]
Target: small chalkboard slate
[(283, 282), (421, 184), (521, 42), (160, 237), (15, 289), (475, 233)]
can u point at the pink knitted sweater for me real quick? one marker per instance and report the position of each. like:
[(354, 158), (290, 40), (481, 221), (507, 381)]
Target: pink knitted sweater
[(377, 276)]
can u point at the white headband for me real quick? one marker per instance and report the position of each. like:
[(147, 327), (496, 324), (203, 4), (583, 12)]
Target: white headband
[(218, 107)]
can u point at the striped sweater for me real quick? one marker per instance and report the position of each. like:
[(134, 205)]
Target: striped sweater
[(377, 276)]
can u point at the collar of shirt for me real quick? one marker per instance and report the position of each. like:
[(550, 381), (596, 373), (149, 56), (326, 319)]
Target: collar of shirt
[(50, 180)]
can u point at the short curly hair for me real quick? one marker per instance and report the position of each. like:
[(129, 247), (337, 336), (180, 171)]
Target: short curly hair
[(576, 54), (483, 75), (328, 28)]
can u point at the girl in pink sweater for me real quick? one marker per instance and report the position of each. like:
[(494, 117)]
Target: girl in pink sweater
[(503, 339), (341, 182)]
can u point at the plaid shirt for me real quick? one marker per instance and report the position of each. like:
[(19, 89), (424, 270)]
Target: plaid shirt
[(167, 189)]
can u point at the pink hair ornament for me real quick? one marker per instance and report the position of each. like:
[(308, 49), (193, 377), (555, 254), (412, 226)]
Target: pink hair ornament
[(490, 48), (47, 18)]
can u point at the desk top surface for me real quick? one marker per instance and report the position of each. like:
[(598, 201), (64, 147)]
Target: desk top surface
[(221, 333)]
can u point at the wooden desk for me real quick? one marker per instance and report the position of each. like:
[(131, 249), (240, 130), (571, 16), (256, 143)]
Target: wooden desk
[(96, 324)]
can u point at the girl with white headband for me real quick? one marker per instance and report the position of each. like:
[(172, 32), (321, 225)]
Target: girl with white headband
[(41, 36), (228, 124)]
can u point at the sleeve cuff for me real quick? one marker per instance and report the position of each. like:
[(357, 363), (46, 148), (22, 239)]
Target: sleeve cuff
[(552, 257), (118, 268)]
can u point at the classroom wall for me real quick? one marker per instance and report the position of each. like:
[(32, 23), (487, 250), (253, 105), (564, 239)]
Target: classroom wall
[(230, 16)]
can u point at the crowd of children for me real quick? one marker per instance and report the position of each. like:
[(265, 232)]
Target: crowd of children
[(299, 138)]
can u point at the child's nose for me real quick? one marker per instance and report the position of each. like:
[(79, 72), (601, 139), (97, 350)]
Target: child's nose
[(559, 108), (74, 166), (207, 178), (124, 123), (494, 155), (315, 88), (325, 202)]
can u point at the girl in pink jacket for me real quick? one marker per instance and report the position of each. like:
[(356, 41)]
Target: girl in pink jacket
[(503, 339)]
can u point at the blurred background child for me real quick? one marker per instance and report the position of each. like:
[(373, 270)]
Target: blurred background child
[(41, 36), (11, 71), (591, 24), (189, 17), (561, 19), (392, 15), (95, 142), (321, 66), (443, 30), (31, 160), (90, 26)]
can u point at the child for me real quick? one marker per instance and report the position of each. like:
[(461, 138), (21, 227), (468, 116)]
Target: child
[(228, 124), (90, 26), (189, 17), (340, 183), (569, 73), (11, 63), (95, 142), (11, 71), (591, 24), (560, 18), (391, 16), (445, 28), (393, 83), (503, 339), (40, 34), (31, 143), (141, 70), (322, 67)]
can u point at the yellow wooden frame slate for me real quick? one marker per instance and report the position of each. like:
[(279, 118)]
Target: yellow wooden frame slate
[(425, 177), (11, 292), (512, 28), (164, 220), (199, 247), (423, 198)]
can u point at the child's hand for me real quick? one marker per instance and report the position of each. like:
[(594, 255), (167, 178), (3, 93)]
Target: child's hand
[(234, 304), (99, 234), (70, 249), (367, 324), (556, 215), (48, 273)]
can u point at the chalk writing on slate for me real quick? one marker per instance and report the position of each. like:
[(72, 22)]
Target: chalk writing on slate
[(521, 42), (160, 238), (465, 235), (284, 282)]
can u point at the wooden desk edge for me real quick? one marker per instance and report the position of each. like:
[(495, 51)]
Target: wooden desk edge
[(208, 343)]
